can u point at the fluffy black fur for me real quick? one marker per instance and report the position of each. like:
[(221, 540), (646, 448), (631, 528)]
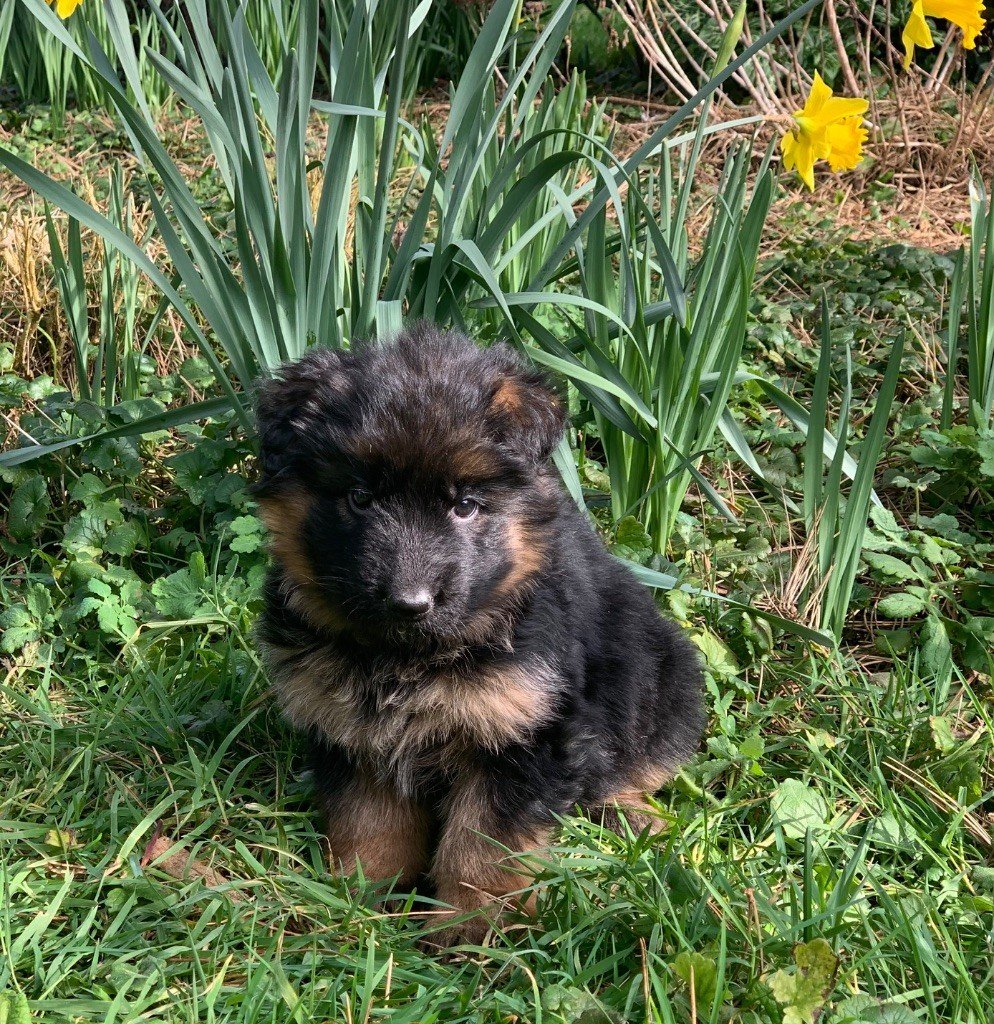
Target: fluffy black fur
[(444, 622)]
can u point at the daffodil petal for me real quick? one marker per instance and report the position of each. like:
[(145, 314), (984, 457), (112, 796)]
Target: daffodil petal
[(788, 146), (819, 95), (66, 8), (916, 33), (839, 107), (799, 154)]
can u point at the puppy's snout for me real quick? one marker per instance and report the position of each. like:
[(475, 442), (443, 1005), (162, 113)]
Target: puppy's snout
[(411, 603)]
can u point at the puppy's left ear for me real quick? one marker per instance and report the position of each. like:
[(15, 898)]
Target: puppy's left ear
[(528, 415)]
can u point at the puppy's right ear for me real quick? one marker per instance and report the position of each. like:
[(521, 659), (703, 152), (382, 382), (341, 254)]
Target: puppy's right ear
[(288, 407)]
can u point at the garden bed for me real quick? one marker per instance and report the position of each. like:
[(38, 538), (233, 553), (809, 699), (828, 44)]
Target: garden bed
[(825, 856)]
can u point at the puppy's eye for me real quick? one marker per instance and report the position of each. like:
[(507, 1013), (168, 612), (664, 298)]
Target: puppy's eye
[(465, 508), (360, 499)]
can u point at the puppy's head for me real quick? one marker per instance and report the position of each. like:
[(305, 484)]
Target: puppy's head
[(406, 486)]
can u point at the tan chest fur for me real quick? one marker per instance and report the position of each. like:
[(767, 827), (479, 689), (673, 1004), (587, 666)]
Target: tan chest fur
[(412, 714)]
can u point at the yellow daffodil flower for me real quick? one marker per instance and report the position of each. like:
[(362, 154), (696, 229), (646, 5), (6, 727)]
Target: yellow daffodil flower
[(966, 14), (64, 8), (828, 128)]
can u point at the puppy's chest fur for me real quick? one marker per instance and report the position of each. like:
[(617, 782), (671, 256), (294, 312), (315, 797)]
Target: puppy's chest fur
[(407, 719)]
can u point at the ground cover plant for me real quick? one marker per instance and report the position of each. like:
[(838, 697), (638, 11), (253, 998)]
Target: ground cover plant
[(780, 415)]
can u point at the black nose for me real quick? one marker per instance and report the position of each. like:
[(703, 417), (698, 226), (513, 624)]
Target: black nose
[(412, 604)]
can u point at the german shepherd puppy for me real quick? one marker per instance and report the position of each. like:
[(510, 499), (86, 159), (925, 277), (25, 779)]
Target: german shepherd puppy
[(468, 660)]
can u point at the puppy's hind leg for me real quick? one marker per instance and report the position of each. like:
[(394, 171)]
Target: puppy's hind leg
[(628, 808)]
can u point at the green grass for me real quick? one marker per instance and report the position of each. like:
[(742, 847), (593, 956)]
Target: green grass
[(184, 743)]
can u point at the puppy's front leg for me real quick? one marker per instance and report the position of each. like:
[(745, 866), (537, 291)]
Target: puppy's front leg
[(472, 869), (370, 824)]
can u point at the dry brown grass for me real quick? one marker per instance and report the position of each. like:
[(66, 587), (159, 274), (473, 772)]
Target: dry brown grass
[(25, 288)]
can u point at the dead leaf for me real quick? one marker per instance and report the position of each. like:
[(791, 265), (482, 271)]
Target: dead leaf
[(183, 865)]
